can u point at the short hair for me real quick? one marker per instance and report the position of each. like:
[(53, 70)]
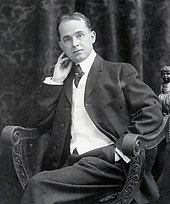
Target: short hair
[(73, 16)]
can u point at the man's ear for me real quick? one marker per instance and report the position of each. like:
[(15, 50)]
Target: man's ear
[(93, 36), (60, 45)]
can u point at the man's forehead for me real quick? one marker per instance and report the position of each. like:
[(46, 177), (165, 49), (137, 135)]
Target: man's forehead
[(66, 22), (66, 27)]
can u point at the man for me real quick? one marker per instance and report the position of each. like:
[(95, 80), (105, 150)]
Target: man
[(88, 120)]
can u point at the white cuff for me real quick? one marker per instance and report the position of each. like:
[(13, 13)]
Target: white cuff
[(124, 157), (48, 80)]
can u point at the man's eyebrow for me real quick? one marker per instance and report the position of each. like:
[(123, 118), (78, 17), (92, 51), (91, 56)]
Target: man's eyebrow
[(68, 36), (79, 32)]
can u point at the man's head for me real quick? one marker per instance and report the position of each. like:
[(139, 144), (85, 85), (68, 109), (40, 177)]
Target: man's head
[(76, 37)]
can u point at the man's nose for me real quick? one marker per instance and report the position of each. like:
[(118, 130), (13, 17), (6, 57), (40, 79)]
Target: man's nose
[(74, 41)]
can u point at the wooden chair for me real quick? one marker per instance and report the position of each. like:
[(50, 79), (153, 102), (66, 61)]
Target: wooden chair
[(28, 148)]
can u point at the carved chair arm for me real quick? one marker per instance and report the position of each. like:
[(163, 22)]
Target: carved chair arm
[(133, 143), (23, 143), (13, 135)]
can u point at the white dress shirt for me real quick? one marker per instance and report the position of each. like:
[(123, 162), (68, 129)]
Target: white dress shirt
[(85, 135)]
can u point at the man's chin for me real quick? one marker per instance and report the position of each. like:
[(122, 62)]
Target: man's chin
[(78, 59)]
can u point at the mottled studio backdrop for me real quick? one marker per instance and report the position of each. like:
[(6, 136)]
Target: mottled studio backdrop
[(135, 31)]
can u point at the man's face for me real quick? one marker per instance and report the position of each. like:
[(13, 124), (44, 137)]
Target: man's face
[(76, 40)]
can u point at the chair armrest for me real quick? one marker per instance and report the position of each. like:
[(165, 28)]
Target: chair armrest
[(133, 143), (12, 135), (25, 145), (134, 178)]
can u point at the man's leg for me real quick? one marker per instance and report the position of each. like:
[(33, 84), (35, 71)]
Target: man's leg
[(83, 182)]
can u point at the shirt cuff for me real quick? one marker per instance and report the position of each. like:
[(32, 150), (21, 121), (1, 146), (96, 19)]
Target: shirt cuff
[(48, 80), (124, 157)]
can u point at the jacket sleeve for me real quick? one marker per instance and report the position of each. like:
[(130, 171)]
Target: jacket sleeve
[(44, 105), (144, 106)]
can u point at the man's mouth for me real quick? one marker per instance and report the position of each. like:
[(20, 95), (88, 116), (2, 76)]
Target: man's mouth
[(76, 51)]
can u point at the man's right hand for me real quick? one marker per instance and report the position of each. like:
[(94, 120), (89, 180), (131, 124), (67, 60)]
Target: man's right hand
[(62, 68)]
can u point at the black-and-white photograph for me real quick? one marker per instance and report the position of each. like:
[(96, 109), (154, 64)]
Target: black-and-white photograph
[(84, 102)]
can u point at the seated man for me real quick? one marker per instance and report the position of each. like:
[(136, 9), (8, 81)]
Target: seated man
[(89, 104)]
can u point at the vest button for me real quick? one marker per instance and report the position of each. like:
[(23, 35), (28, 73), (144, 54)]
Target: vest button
[(67, 106)]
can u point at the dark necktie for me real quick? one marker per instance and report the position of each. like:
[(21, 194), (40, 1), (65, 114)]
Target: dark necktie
[(78, 74), (75, 152)]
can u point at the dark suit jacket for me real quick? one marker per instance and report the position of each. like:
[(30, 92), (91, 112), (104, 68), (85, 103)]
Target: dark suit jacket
[(116, 101)]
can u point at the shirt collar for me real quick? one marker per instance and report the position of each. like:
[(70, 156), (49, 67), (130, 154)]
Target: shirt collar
[(87, 63)]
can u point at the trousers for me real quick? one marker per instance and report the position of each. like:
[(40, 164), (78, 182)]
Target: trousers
[(83, 179)]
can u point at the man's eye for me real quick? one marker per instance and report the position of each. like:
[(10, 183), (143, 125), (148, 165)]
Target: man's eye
[(66, 39), (80, 35)]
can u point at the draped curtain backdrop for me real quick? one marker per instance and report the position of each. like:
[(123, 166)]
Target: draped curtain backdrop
[(134, 31)]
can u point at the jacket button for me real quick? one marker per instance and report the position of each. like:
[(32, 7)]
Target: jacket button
[(62, 125), (54, 165)]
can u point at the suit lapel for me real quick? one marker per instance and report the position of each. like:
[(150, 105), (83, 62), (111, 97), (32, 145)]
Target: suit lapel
[(94, 75), (68, 85)]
